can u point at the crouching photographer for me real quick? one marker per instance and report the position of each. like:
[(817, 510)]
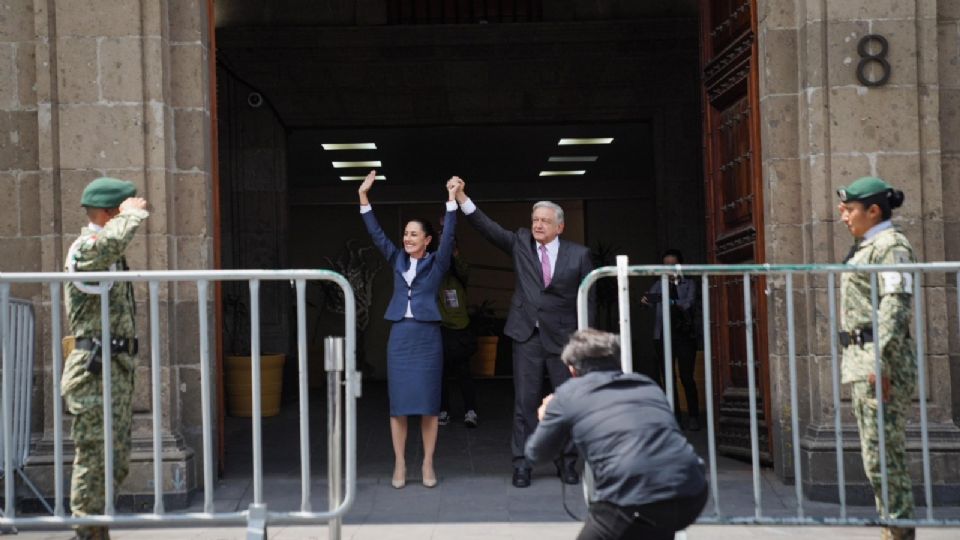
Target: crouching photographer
[(649, 482)]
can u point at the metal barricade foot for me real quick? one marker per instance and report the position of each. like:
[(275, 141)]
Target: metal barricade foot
[(257, 522)]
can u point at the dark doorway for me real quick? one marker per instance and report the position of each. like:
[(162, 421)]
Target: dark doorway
[(484, 96)]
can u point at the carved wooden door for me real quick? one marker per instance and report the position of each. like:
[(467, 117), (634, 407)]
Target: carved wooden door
[(734, 213)]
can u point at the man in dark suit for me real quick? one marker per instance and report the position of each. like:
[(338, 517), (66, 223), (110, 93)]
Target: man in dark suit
[(543, 315)]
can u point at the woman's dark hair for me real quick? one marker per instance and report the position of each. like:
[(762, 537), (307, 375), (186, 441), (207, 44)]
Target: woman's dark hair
[(675, 253), (427, 231), (886, 200)]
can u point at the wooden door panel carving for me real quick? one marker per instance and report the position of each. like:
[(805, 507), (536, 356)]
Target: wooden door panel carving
[(734, 213)]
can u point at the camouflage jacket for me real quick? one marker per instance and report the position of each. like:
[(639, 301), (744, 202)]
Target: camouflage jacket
[(895, 291), (100, 250)]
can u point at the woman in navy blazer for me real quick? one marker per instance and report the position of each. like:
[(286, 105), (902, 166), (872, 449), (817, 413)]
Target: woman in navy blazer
[(414, 351)]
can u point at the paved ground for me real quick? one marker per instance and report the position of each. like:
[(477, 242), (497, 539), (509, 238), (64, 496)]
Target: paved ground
[(474, 498)]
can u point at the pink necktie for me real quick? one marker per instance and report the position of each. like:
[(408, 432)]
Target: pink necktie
[(545, 266)]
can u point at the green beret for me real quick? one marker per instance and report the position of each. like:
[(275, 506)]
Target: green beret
[(863, 188), (107, 193)]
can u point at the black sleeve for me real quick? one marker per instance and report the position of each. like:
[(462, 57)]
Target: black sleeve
[(548, 440)]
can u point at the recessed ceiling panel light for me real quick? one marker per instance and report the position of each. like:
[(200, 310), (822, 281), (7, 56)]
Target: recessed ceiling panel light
[(353, 178), (574, 141), (350, 146), (355, 164), (571, 159), (562, 173)]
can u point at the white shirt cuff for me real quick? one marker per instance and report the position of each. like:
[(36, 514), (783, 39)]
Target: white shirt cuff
[(364, 208), (451, 206), (468, 207)]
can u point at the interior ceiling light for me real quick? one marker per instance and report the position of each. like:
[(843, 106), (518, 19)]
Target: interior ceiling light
[(571, 159), (352, 178), (356, 164), (562, 173), (350, 146), (574, 141)]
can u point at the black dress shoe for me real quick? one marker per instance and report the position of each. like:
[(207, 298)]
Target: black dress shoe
[(567, 471), (521, 477)]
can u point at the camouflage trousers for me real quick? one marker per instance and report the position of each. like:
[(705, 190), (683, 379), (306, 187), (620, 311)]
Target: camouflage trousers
[(87, 489), (895, 411)]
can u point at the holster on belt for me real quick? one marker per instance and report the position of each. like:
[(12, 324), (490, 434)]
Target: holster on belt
[(858, 336), (95, 362)]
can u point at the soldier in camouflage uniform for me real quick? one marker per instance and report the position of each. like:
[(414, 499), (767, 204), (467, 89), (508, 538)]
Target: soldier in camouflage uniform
[(865, 208), (115, 214)]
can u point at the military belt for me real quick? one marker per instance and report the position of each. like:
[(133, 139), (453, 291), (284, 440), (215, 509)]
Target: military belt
[(117, 345), (856, 337)]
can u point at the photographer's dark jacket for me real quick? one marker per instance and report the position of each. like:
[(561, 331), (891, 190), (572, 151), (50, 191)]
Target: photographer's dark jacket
[(623, 426)]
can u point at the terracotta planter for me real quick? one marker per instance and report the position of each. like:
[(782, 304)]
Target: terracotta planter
[(239, 384), (484, 361)]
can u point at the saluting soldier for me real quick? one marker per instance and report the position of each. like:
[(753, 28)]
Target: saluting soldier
[(115, 213), (865, 207)]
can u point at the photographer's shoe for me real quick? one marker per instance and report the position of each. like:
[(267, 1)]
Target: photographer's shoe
[(567, 471), (521, 477), (471, 419), (443, 419)]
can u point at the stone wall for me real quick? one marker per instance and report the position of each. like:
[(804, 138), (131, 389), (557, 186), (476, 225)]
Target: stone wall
[(20, 229), (822, 129), (948, 54), (118, 88)]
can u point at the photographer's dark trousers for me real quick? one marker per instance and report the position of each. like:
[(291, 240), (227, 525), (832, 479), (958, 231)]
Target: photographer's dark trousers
[(458, 347), (685, 352), (654, 521)]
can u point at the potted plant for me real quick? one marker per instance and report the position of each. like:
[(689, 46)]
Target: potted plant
[(237, 369), (483, 319), (359, 264)]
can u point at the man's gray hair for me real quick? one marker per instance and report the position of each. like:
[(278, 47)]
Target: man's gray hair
[(592, 350), (553, 206)]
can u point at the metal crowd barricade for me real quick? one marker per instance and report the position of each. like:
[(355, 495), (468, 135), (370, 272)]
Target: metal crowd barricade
[(19, 324), (622, 271), (341, 359)]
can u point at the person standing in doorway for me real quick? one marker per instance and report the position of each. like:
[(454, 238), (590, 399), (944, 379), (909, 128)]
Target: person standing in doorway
[(459, 341), (115, 214), (543, 315), (414, 350), (866, 209), (683, 303)]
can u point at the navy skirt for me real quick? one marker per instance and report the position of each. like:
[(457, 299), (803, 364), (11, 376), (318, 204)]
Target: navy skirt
[(414, 368)]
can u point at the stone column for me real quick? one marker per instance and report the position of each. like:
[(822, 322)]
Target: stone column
[(948, 50), (123, 90), (823, 129)]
